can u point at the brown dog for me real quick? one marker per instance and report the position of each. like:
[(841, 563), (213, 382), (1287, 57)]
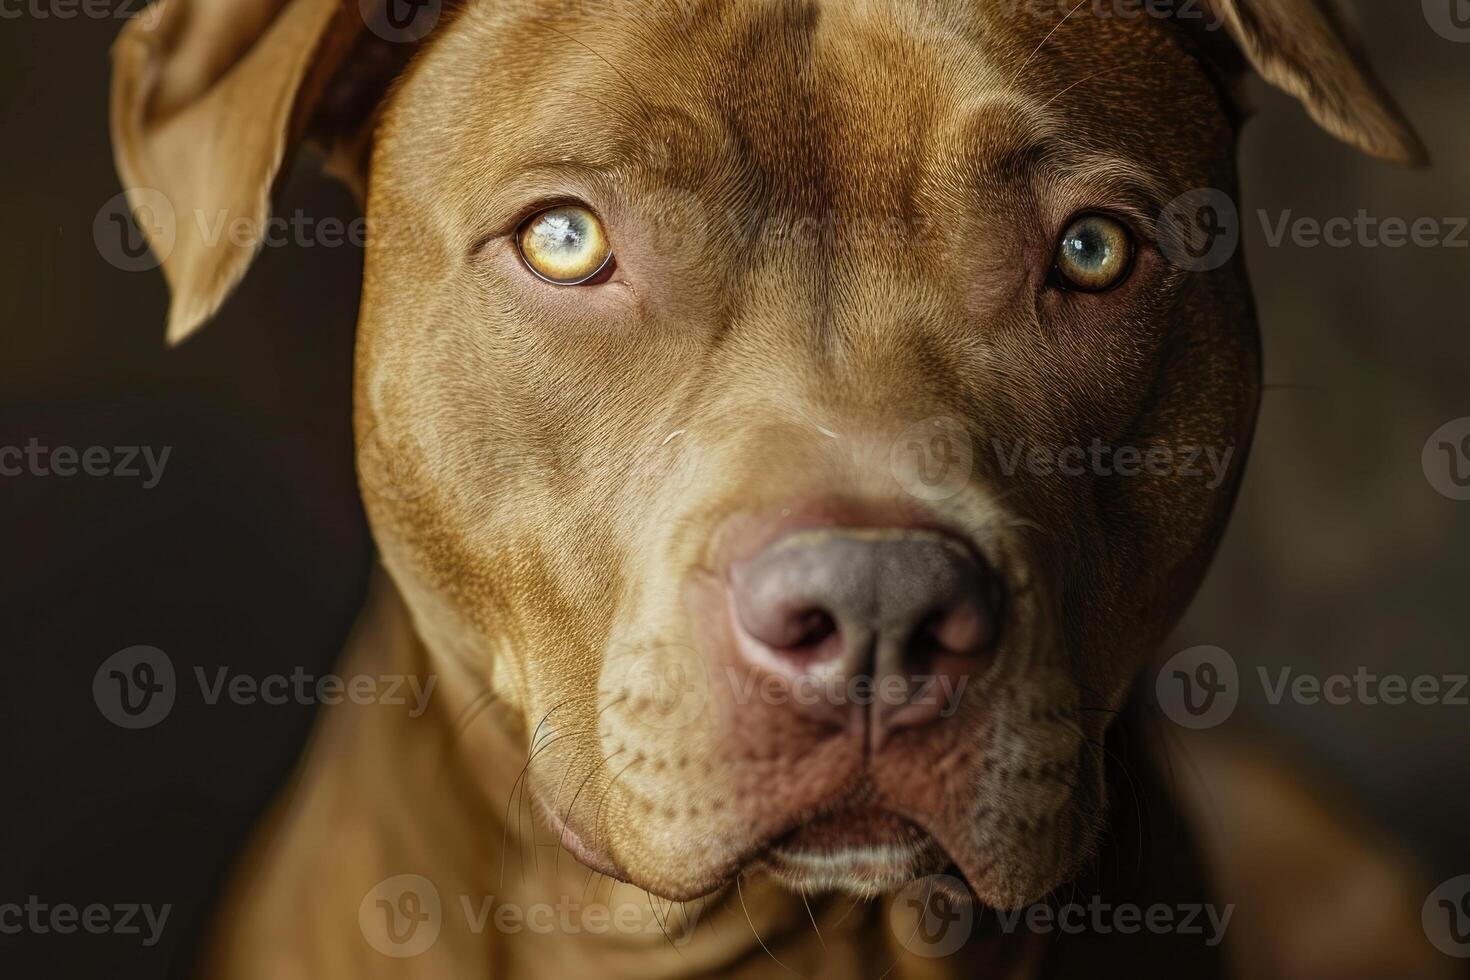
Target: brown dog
[(686, 334)]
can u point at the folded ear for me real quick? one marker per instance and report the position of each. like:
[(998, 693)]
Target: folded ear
[(210, 98), (1308, 49)]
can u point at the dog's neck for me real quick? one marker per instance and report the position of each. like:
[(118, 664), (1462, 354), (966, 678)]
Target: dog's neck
[(382, 793)]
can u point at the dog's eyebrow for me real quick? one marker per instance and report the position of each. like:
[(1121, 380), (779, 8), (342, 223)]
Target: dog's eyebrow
[(1109, 174), (1086, 178), (1008, 137)]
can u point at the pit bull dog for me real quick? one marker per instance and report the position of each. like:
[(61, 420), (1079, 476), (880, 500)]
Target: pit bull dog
[(729, 380)]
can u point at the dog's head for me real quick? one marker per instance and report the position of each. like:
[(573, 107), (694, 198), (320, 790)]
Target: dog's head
[(805, 415)]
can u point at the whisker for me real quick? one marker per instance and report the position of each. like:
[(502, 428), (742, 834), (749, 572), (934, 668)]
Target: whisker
[(660, 922), (617, 71), (741, 893), (813, 919), (1036, 50), (567, 816), (510, 800), (606, 796), (1088, 78), (918, 921)]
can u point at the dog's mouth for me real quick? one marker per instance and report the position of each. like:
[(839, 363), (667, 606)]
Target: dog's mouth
[(859, 848), (855, 847)]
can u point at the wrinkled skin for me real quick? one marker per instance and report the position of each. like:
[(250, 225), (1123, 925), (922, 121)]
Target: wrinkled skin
[(834, 225)]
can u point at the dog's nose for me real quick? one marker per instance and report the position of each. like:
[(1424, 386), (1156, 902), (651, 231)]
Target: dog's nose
[(892, 618)]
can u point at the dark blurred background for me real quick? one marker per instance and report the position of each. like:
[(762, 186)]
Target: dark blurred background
[(251, 551)]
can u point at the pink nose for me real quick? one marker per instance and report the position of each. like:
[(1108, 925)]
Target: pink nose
[(901, 617)]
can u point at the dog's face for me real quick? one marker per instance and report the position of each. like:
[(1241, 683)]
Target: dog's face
[(839, 268), (789, 411)]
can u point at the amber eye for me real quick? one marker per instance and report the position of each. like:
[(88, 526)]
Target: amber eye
[(1095, 254), (565, 245)]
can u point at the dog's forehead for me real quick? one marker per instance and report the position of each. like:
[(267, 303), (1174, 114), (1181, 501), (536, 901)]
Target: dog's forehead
[(802, 107)]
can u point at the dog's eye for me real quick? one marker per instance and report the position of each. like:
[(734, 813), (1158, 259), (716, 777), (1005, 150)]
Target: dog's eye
[(565, 245), (1095, 254)]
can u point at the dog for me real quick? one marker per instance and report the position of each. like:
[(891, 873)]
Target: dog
[(727, 378)]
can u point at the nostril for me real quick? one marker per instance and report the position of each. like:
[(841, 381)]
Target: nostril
[(966, 627), (788, 623), (811, 628)]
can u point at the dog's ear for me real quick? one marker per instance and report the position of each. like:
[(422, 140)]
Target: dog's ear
[(1308, 49), (210, 98)]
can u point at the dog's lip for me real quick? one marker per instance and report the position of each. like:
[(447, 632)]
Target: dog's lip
[(863, 843), (568, 837), (916, 852), (861, 826)]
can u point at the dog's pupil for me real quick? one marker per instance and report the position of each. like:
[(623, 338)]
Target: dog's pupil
[(1088, 246), (561, 233)]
